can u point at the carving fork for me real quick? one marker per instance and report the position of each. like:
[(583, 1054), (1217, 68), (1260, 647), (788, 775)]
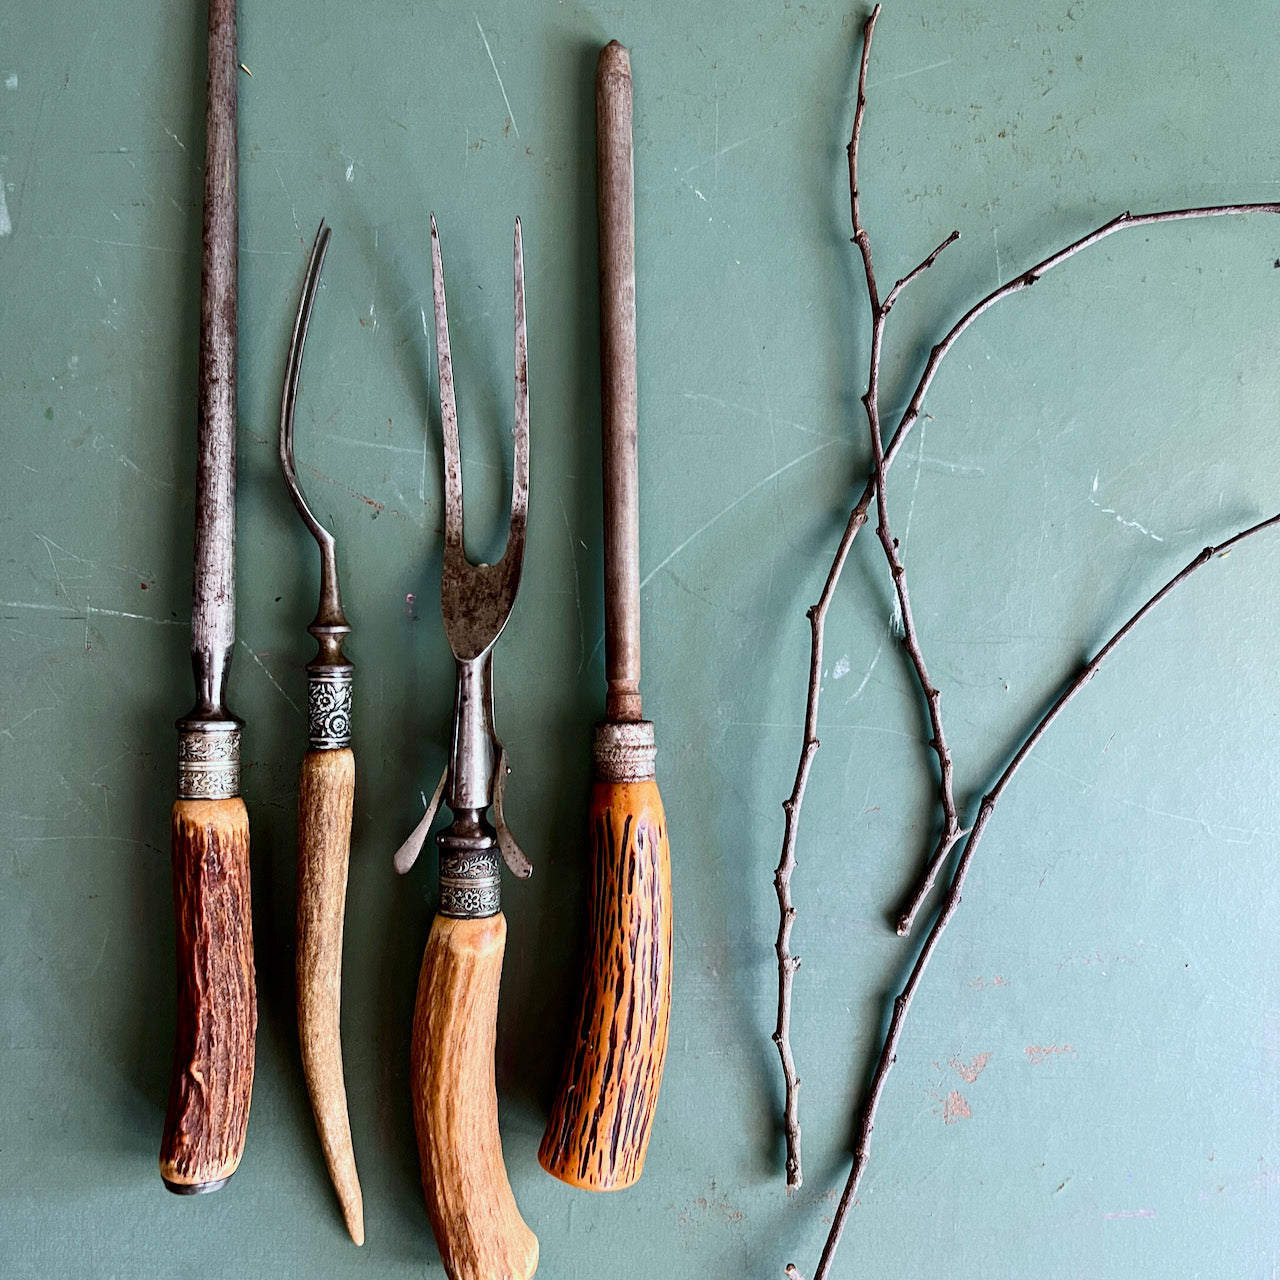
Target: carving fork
[(478, 1228)]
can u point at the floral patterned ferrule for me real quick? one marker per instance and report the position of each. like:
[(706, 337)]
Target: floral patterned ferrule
[(329, 708)]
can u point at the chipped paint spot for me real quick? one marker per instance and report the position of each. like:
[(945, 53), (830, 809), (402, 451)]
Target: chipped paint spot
[(969, 1071), (11, 80), (1040, 1053), (955, 1108), (841, 669)]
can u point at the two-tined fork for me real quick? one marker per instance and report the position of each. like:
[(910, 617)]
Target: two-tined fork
[(478, 1228)]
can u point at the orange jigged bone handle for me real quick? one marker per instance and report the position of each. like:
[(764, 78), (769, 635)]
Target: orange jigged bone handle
[(326, 794), (212, 1079), (478, 1228), (602, 1117)]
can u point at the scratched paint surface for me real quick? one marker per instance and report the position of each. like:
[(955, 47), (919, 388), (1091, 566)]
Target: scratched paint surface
[(1089, 1083)]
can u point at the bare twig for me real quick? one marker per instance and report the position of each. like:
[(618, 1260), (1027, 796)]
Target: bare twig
[(788, 963), (889, 1052), (1024, 281), (951, 832)]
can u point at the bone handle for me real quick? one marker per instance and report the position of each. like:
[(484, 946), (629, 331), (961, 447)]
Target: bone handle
[(212, 1079), (602, 1117), (478, 1229), (325, 798)]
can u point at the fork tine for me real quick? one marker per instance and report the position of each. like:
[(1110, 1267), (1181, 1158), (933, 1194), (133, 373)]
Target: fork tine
[(520, 467), (293, 371), (448, 408)]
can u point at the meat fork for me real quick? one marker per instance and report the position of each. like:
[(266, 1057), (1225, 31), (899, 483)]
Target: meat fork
[(326, 792), (478, 1228)]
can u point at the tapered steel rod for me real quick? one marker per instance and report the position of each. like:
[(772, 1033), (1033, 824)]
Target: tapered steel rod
[(212, 1077)]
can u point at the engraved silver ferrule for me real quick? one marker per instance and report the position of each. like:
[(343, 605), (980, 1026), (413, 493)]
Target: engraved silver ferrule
[(329, 707), (470, 870), (208, 759), (624, 751)]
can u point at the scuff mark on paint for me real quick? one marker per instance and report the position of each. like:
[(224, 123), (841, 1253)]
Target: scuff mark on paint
[(955, 1108), (1041, 1053), (1125, 1214), (695, 1211), (6, 222), (969, 1071), (11, 80), (502, 89)]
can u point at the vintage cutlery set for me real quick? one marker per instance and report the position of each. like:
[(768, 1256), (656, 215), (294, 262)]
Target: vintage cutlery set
[(602, 1116)]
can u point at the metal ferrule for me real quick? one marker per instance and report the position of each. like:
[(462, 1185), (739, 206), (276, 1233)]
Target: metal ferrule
[(470, 883), (208, 759), (624, 751), (329, 691)]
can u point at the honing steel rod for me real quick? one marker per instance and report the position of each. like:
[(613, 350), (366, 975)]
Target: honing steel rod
[(478, 1228), (602, 1117), (326, 791), (212, 1076)]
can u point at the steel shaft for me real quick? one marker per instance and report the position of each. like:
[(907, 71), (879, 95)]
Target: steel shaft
[(213, 611), (616, 186)]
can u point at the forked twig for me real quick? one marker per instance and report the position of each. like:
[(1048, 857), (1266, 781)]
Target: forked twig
[(883, 456), (889, 1052)]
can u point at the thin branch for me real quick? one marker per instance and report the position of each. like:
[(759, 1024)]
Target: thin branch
[(919, 270), (901, 1005), (787, 962), (860, 237), (950, 832), (1026, 279)]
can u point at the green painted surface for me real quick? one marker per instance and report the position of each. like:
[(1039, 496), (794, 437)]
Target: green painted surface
[(1115, 955)]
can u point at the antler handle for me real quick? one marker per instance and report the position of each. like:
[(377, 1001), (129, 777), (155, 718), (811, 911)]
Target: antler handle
[(325, 796), (478, 1229), (212, 1081)]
